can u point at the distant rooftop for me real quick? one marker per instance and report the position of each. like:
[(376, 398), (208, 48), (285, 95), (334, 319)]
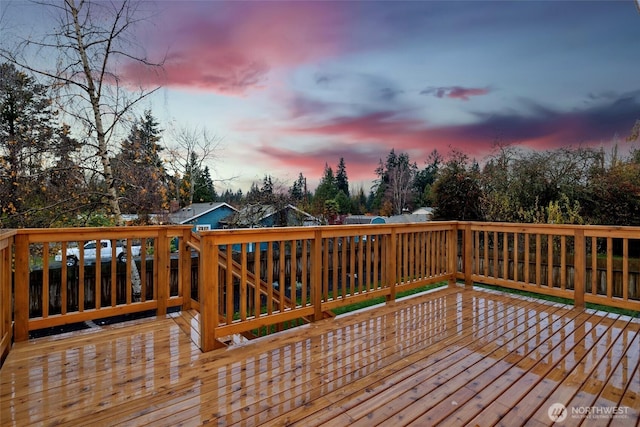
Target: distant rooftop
[(195, 210)]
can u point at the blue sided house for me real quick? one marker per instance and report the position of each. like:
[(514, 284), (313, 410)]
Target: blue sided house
[(203, 216)]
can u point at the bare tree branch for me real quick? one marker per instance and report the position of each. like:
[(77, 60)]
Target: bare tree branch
[(91, 40)]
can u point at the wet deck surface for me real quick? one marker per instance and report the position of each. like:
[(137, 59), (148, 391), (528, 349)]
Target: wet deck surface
[(451, 357)]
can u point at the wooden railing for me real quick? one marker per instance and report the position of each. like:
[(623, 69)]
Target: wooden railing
[(592, 264), (48, 292), (267, 279), (6, 309), (256, 281)]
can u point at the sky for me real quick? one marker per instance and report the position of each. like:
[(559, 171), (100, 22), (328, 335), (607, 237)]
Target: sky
[(292, 86)]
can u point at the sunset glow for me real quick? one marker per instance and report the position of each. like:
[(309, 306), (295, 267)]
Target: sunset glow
[(290, 86)]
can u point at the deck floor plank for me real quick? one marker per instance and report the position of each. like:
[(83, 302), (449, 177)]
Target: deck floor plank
[(328, 363), (571, 385), (454, 356), (247, 384), (601, 376), (561, 383), (631, 399), (106, 375), (532, 369), (425, 355), (485, 389), (484, 352)]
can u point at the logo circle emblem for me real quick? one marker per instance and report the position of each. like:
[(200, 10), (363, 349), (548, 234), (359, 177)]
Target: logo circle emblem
[(557, 412)]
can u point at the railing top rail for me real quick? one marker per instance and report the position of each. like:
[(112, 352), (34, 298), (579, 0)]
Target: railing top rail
[(95, 233), (283, 233), (559, 229), (6, 238), (238, 235), (6, 233), (625, 232)]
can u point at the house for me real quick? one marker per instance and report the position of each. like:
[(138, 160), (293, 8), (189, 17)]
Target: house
[(259, 215), (424, 211), (203, 216), (408, 218), (364, 219)]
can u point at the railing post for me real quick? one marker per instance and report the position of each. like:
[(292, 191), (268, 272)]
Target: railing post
[(579, 266), (21, 288), (208, 293), (185, 268), (6, 309), (316, 275), (452, 255), (163, 258), (392, 261), (468, 255)]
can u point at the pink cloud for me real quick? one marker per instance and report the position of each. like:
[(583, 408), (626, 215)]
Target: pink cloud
[(359, 159), (365, 139), (546, 130), (230, 47), (362, 141), (373, 126), (455, 92), (386, 130)]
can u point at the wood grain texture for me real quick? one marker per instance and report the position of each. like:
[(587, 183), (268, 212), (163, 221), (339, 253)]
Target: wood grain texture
[(454, 356)]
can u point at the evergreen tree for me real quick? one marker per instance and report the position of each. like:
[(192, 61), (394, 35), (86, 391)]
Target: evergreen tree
[(25, 126), (267, 186), (40, 182), (327, 190), (424, 180), (343, 202), (139, 170), (234, 199), (253, 195), (197, 184), (298, 191), (203, 191), (359, 202), (342, 182)]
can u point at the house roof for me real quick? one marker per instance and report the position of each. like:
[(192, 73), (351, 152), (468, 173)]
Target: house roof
[(254, 213), (196, 210), (423, 210), (307, 215), (407, 218), (362, 219)]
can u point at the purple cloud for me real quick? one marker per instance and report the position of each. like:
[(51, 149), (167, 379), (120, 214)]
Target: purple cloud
[(456, 92)]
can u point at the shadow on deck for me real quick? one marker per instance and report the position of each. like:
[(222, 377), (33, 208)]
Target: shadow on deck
[(454, 356)]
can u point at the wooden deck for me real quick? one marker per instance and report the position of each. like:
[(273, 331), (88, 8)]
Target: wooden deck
[(455, 356)]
